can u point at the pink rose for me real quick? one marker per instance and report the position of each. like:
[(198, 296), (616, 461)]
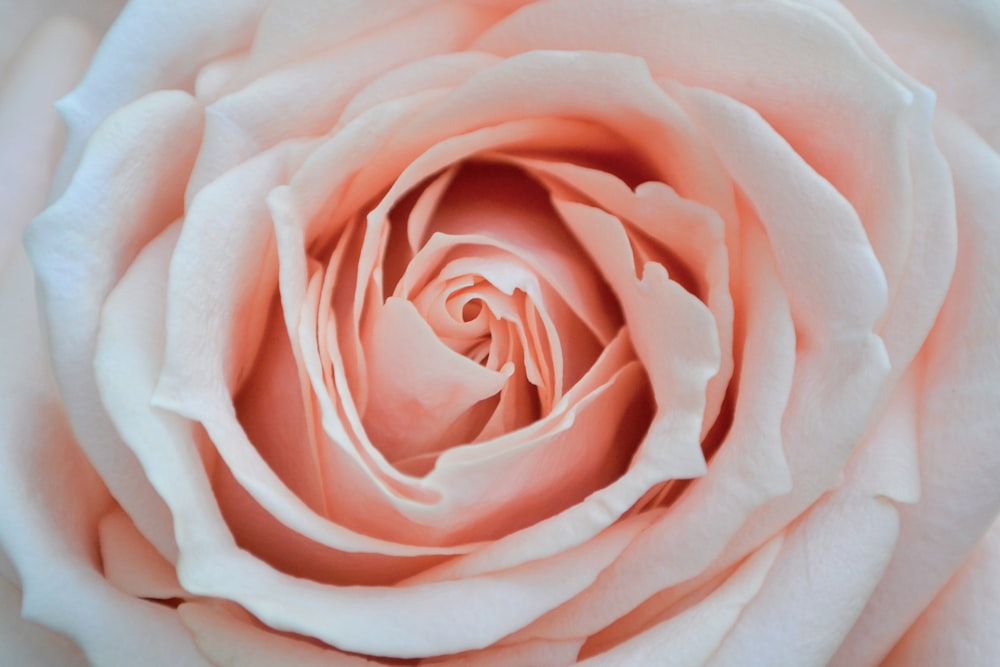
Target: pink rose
[(502, 333)]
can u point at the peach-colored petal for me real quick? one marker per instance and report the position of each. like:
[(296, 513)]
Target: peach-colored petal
[(686, 229), (150, 47), (226, 639), (126, 190), (673, 335), (165, 443), (690, 637), (53, 499), (534, 653), (30, 134), (959, 627), (347, 617), (291, 31), (421, 386), (259, 115), (958, 427), (748, 470), (828, 567), (271, 407), (443, 72), (131, 563)]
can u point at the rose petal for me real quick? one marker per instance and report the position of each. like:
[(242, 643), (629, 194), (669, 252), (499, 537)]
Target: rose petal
[(52, 501), (691, 637), (227, 640), (422, 387), (30, 133), (444, 72), (748, 470), (150, 47), (959, 497), (131, 563), (29, 644), (534, 653), (966, 56), (959, 626), (291, 31), (126, 190), (836, 555), (348, 617), (258, 116)]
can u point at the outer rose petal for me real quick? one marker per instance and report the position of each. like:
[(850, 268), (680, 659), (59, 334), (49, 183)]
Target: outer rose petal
[(960, 626), (959, 422), (30, 136), (128, 187), (52, 500), (19, 19), (951, 45), (28, 644), (152, 46)]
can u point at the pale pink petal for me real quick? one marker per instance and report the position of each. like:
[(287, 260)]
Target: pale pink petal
[(348, 617), (21, 20), (690, 637), (127, 189), (226, 639), (30, 130), (907, 206), (953, 47), (836, 289), (444, 71), (828, 567), (150, 47), (259, 115), (748, 470), (291, 31), (958, 422), (887, 460), (960, 625), (29, 644), (52, 502)]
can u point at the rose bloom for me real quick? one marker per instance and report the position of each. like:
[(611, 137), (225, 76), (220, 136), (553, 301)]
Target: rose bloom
[(497, 332)]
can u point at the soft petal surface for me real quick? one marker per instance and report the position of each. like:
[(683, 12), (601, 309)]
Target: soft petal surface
[(959, 626), (959, 497), (53, 500)]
